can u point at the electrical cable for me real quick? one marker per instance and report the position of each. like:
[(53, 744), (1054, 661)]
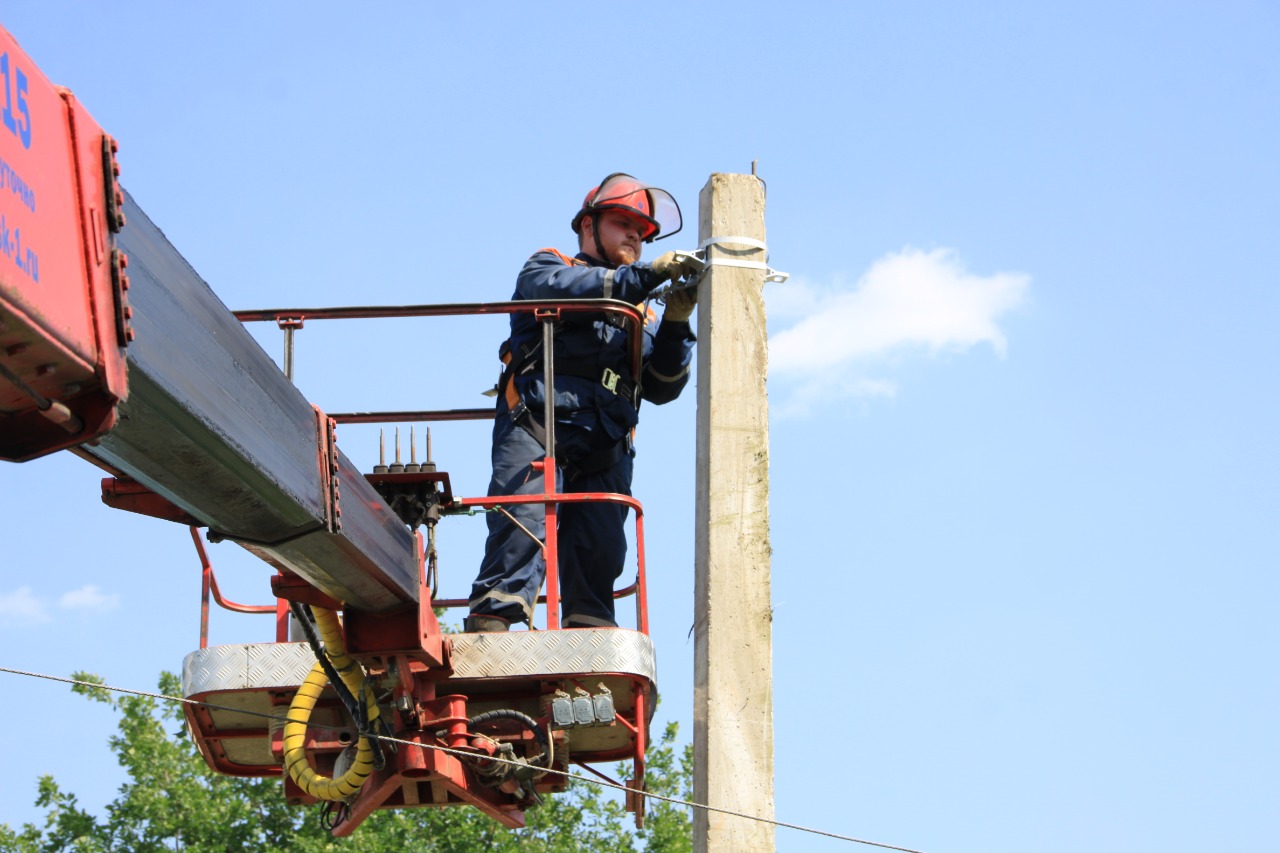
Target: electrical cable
[(464, 754)]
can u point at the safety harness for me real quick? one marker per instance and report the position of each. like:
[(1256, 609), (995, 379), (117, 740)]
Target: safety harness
[(526, 358)]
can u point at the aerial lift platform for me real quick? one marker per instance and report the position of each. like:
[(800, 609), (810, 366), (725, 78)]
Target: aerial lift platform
[(113, 347)]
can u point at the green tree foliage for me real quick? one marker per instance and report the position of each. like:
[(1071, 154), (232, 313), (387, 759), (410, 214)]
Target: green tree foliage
[(173, 801)]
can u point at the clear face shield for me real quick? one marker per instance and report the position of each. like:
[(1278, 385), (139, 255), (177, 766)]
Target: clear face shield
[(656, 205)]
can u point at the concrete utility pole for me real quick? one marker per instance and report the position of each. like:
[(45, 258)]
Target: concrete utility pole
[(733, 676)]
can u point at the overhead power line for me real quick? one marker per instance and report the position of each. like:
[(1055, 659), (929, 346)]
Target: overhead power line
[(571, 776)]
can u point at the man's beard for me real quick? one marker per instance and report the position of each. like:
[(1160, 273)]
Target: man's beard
[(625, 255)]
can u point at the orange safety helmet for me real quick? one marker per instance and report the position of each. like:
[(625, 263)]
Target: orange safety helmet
[(619, 191)]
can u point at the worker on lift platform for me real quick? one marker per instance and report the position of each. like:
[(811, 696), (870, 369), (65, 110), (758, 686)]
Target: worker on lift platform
[(596, 403)]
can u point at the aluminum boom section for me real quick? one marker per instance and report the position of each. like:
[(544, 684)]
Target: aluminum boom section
[(212, 424)]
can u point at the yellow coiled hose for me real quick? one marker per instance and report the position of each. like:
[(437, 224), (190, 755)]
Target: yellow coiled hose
[(304, 701)]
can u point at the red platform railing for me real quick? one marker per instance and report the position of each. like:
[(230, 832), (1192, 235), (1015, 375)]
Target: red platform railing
[(548, 312)]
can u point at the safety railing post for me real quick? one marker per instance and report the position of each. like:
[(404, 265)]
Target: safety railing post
[(206, 580), (288, 325), (642, 582), (551, 515)]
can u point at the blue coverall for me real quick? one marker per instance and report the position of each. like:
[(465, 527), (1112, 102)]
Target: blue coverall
[(593, 429)]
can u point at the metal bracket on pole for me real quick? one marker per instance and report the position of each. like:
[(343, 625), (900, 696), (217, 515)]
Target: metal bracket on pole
[(698, 259), (770, 273)]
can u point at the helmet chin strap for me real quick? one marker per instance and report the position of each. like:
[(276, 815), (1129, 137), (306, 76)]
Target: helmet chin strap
[(595, 234)]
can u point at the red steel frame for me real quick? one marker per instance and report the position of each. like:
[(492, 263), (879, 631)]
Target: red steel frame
[(209, 583)]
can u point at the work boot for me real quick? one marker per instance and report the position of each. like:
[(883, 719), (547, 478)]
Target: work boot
[(480, 623)]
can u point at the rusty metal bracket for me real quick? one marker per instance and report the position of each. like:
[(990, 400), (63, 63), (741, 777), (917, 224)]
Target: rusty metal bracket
[(330, 478), (120, 284), (412, 631), (335, 485), (290, 587), (124, 493), (111, 189)]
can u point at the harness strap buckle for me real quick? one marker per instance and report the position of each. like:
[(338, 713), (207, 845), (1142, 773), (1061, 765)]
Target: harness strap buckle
[(609, 379)]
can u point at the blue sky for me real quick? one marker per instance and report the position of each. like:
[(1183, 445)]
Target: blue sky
[(1023, 409)]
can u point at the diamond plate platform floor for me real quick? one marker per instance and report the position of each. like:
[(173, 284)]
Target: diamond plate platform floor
[(517, 669)]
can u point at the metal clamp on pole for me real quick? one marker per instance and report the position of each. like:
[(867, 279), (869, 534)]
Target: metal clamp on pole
[(770, 273), (698, 259)]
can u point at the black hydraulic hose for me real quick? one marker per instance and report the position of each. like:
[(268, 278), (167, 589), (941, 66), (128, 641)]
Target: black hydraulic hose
[(355, 707), (302, 613), (523, 719)]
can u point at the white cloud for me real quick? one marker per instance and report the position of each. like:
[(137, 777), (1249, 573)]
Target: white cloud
[(909, 302), (22, 608), (808, 396), (792, 300), (89, 597)]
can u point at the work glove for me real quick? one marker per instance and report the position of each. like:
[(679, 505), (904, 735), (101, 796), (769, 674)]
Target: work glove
[(680, 304), (666, 267)]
